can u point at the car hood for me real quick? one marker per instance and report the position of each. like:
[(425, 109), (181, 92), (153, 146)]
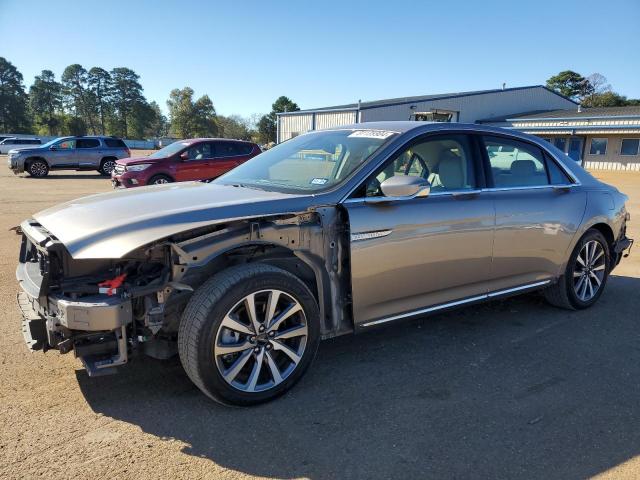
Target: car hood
[(26, 149), (110, 225), (132, 160)]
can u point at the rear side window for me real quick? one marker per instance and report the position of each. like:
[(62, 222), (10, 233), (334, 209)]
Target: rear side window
[(228, 149), (114, 143), (245, 148), (87, 143), (515, 164)]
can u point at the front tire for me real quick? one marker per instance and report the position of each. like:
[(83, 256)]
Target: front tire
[(585, 276), (38, 168), (159, 180), (248, 334), (106, 166)]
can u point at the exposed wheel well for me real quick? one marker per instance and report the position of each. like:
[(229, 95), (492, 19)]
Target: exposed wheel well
[(275, 255), (104, 159)]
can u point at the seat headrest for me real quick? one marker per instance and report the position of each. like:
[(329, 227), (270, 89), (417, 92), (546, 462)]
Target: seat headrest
[(523, 167), (450, 170)]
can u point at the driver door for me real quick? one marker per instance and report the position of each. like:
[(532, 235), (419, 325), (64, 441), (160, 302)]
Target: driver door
[(410, 256), (63, 155), (194, 163)]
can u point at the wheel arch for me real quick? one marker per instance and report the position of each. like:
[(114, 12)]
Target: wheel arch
[(307, 251), (32, 159), (162, 174)]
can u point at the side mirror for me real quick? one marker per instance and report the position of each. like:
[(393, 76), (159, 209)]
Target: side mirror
[(184, 156), (53, 147), (401, 187)]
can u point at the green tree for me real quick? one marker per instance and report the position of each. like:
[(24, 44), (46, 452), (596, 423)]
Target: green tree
[(78, 97), (234, 126), (191, 119), (158, 126), (45, 101), (267, 124), (570, 84), (13, 99), (126, 97), (100, 86), (607, 99)]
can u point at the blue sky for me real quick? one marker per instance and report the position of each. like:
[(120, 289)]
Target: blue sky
[(245, 54)]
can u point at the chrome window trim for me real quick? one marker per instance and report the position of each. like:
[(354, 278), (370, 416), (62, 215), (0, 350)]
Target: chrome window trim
[(538, 142), (460, 193), (456, 303)]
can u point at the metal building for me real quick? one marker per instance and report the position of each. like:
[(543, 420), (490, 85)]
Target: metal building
[(465, 107)]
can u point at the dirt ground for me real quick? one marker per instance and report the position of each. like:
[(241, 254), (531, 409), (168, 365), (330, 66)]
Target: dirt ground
[(510, 389)]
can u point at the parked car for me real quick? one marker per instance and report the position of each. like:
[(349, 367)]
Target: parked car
[(69, 153), (244, 275), (12, 143), (194, 159)]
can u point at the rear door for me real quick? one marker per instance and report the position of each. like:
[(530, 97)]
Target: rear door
[(228, 155), (88, 152), (538, 211), (416, 255), (196, 164)]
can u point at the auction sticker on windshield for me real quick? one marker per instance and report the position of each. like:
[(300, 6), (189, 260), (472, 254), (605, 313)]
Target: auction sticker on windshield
[(371, 134)]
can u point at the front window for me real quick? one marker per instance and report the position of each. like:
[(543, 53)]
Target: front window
[(598, 146), (446, 162), (170, 150), (67, 144), (310, 163)]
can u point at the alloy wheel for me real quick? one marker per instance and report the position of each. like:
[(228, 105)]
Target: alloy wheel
[(261, 341), (160, 181), (108, 166), (38, 169), (589, 270)]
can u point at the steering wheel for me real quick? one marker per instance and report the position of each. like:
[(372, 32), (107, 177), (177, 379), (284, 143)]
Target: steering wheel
[(417, 158)]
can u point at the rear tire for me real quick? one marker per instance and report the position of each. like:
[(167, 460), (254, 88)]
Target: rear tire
[(106, 166), (38, 168), (585, 276), (160, 180), (236, 360)]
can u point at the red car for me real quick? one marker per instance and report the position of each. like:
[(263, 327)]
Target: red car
[(193, 159)]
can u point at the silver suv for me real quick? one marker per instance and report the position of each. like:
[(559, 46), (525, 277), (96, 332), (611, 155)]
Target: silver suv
[(69, 153)]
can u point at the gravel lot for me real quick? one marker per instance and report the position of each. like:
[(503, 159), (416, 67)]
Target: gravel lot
[(511, 389)]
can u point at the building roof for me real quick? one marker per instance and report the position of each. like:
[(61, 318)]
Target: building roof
[(583, 113), (416, 99)]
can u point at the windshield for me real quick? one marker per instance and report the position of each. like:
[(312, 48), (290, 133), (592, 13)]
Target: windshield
[(169, 150), (309, 163)]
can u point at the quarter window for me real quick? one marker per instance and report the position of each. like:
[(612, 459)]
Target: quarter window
[(446, 162), (598, 146), (630, 146), (516, 164)]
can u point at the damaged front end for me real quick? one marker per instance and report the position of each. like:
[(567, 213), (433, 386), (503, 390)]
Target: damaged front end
[(88, 306), (101, 309)]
